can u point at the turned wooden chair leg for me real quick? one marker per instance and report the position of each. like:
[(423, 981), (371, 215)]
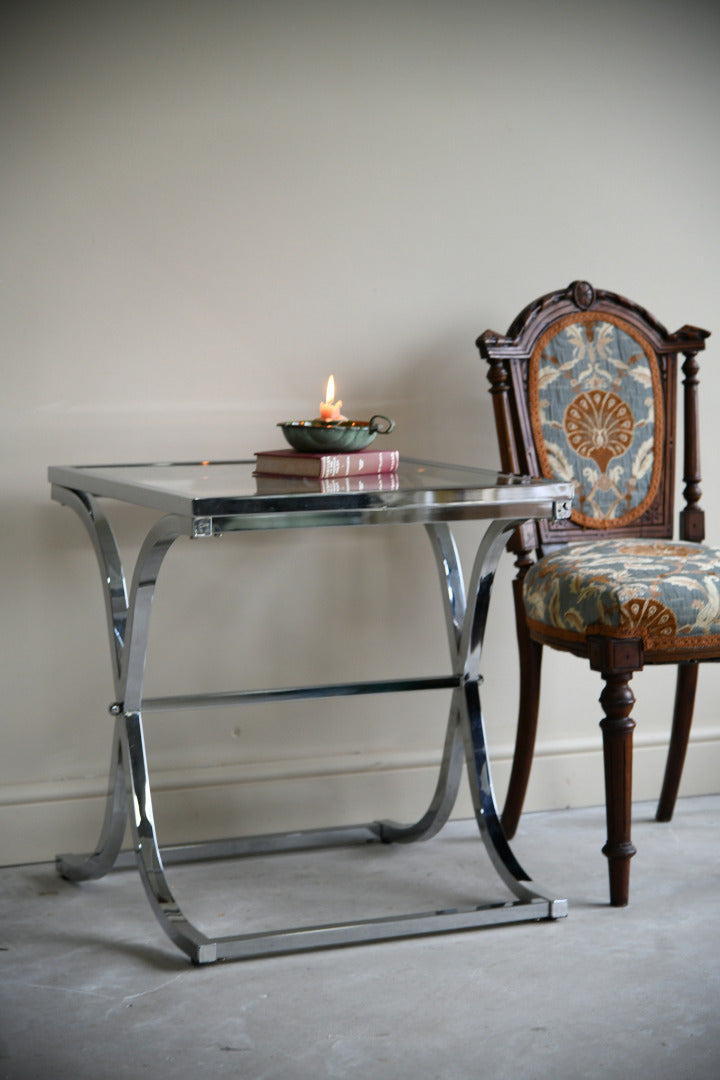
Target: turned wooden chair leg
[(617, 701), (530, 669), (682, 722)]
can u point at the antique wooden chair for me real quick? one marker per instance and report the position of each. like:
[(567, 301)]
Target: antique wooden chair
[(584, 388)]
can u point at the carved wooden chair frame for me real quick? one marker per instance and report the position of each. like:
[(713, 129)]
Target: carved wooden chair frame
[(616, 658)]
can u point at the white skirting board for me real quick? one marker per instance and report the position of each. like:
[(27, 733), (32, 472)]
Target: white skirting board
[(39, 820)]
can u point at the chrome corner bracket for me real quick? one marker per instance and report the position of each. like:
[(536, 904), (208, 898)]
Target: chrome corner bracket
[(202, 528)]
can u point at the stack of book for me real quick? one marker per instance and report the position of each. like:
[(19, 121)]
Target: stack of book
[(326, 466)]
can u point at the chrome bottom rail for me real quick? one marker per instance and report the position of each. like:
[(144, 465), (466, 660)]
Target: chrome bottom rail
[(364, 931), (202, 949), (238, 847)]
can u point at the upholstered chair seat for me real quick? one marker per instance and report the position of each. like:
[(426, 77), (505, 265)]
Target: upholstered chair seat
[(665, 592)]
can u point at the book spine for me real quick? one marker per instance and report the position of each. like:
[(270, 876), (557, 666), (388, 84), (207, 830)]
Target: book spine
[(359, 464)]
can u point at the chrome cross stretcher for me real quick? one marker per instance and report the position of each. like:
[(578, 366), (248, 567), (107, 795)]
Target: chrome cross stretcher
[(205, 500)]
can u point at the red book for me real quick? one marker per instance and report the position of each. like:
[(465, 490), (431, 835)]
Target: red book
[(325, 466)]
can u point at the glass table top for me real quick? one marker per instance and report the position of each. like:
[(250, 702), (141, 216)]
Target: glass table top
[(231, 488)]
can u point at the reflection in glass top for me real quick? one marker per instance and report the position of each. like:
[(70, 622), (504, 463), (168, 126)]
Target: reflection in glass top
[(238, 478), (219, 479)]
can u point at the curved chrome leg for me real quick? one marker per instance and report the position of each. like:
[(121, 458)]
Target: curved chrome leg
[(112, 576), (478, 766), (87, 867), (451, 581), (484, 804), (446, 791), (469, 647), (164, 905), (451, 767), (166, 909), (129, 630)]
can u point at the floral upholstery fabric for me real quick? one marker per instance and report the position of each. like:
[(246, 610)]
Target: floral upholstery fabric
[(666, 592), (597, 416)]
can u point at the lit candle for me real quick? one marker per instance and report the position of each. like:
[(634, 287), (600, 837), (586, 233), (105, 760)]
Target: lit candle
[(330, 409)]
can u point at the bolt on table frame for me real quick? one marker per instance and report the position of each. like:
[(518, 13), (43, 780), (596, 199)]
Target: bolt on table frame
[(206, 500)]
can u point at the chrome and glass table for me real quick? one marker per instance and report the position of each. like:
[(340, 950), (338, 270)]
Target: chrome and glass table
[(205, 500)]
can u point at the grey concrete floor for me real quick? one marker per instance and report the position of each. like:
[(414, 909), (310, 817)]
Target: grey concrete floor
[(92, 988)]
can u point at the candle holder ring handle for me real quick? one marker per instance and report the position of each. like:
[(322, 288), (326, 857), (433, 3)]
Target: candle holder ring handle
[(382, 428)]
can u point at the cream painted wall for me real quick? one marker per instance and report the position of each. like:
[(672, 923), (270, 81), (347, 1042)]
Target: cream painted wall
[(206, 209)]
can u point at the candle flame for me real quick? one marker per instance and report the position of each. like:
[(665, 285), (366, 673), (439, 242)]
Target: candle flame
[(330, 410)]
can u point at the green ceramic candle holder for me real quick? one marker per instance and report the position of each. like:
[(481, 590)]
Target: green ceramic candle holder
[(329, 436)]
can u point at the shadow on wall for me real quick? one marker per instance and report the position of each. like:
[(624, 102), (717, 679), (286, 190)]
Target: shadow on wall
[(440, 401)]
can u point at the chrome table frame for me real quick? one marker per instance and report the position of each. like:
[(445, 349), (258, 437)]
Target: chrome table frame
[(433, 496)]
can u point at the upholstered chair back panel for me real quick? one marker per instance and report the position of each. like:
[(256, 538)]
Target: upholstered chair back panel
[(596, 412)]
